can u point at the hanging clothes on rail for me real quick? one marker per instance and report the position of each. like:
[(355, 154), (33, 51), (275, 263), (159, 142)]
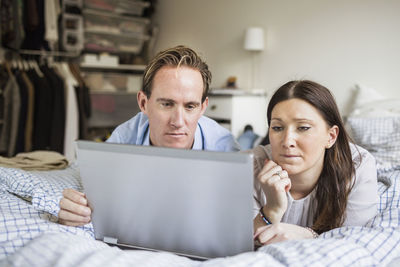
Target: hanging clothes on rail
[(4, 107), (10, 109), (34, 26), (29, 113), (11, 22), (52, 11), (30, 24), (23, 94), (84, 103), (42, 108), (58, 116), (72, 111), (42, 111)]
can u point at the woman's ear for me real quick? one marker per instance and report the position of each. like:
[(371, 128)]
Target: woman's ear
[(333, 133)]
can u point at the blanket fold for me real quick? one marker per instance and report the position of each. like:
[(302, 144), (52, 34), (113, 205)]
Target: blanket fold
[(36, 161)]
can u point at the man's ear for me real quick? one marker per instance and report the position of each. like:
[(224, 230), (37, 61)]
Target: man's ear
[(142, 101), (204, 106), (333, 134)]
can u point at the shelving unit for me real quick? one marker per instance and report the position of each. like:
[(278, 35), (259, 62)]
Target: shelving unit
[(113, 107), (95, 12), (114, 31), (123, 68)]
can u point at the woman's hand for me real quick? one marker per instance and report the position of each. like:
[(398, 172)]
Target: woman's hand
[(275, 183), (279, 232), (74, 209)]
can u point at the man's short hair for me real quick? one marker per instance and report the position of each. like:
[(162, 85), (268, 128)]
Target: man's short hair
[(176, 57)]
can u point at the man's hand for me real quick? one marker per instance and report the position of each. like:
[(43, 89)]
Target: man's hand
[(74, 209)]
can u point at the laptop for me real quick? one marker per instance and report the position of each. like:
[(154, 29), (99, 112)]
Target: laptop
[(193, 203)]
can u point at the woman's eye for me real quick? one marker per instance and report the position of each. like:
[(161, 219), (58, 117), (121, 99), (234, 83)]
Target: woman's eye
[(277, 128), (304, 128)]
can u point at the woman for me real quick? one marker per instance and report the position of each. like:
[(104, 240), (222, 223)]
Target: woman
[(309, 179)]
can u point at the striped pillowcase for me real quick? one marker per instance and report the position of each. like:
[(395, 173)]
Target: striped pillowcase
[(380, 136)]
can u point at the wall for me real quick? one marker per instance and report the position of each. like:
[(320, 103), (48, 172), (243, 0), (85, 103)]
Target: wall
[(337, 43)]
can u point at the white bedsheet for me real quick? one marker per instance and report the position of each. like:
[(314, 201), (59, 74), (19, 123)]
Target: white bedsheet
[(29, 235)]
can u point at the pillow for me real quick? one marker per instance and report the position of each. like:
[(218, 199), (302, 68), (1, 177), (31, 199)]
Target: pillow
[(380, 108), (364, 96), (380, 136)]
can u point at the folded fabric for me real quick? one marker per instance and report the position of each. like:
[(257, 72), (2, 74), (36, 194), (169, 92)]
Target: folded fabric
[(36, 161)]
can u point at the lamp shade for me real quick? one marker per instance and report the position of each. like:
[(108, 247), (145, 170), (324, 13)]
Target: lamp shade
[(254, 39)]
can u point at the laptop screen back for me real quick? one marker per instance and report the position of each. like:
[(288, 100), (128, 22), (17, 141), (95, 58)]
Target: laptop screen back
[(185, 201)]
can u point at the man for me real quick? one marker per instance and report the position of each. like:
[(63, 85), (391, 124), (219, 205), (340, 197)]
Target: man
[(172, 103)]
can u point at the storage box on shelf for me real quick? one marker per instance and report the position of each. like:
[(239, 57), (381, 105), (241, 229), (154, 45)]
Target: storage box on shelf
[(72, 36), (113, 92), (69, 6), (113, 82), (111, 109), (114, 43), (129, 7), (106, 22), (106, 63), (112, 32)]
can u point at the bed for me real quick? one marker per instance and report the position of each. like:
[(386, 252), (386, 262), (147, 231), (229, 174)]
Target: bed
[(30, 235)]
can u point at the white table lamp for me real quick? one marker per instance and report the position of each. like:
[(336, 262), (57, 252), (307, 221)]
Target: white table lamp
[(254, 42)]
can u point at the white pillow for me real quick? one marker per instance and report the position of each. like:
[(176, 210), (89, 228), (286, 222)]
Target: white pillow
[(368, 102), (380, 136), (380, 108), (364, 95)]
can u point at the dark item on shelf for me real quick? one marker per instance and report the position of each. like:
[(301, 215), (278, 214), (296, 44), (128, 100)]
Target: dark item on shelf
[(231, 82)]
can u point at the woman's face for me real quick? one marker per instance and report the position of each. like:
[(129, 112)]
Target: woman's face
[(299, 136)]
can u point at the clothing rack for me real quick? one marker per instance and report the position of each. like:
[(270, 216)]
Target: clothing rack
[(42, 53), (40, 96), (41, 56), (47, 53), (1, 55)]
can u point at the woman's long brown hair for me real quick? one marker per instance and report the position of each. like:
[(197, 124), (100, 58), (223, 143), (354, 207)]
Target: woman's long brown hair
[(335, 181)]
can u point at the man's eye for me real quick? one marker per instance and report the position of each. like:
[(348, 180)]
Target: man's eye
[(190, 107), (277, 128), (304, 128), (166, 104)]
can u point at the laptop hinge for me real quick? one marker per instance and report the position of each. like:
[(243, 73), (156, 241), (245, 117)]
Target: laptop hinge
[(110, 240)]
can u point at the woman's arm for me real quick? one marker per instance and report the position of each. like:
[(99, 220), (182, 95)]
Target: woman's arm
[(274, 183), (278, 232)]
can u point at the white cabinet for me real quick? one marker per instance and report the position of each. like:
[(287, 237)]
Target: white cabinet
[(237, 109)]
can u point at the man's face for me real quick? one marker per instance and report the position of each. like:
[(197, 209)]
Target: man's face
[(174, 106)]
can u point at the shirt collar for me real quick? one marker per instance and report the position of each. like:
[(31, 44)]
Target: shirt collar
[(198, 139), (146, 140)]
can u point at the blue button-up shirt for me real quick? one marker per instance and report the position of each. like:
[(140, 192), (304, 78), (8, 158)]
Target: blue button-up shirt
[(209, 134)]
